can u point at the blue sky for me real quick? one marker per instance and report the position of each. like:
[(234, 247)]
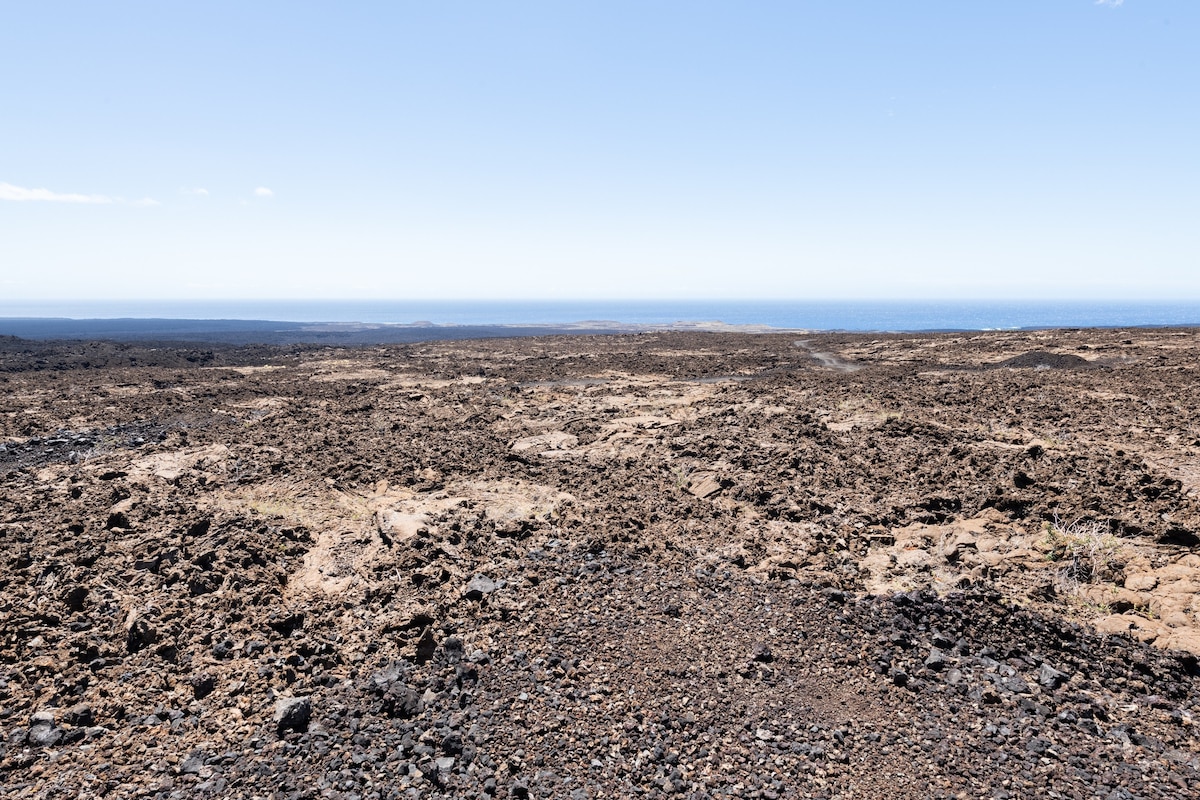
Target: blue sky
[(1036, 148)]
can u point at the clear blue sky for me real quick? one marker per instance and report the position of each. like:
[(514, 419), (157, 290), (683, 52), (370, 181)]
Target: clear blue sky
[(1031, 148)]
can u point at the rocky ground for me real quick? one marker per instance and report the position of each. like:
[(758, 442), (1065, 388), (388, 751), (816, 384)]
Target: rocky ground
[(676, 564)]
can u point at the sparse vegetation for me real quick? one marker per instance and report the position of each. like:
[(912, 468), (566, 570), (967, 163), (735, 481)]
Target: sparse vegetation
[(270, 508), (682, 475), (1086, 549)]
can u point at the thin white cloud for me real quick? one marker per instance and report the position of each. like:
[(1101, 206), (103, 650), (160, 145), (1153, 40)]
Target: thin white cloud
[(263, 191), (197, 191), (146, 201), (21, 194), (1109, 3)]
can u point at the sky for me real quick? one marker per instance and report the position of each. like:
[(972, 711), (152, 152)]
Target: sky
[(650, 149)]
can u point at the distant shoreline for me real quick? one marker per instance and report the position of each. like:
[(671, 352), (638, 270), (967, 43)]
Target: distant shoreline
[(282, 332), (415, 320), (227, 331)]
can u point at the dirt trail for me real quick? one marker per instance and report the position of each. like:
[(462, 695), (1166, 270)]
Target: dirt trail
[(826, 359)]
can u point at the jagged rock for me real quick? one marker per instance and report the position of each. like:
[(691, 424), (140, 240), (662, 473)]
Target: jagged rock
[(202, 685), (292, 714), (1050, 678), (401, 701), (140, 636), (761, 652), (426, 647), (204, 583), (76, 597), (80, 715), (452, 744), (936, 660), (191, 765)]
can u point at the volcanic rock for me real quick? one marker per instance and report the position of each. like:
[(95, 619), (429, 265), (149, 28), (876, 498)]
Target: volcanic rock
[(663, 564), (292, 714)]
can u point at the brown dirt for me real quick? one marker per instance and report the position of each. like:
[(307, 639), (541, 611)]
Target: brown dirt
[(704, 565)]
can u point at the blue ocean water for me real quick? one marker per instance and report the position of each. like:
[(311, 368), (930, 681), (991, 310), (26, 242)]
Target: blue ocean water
[(848, 315)]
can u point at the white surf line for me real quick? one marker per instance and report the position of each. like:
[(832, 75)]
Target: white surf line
[(827, 359)]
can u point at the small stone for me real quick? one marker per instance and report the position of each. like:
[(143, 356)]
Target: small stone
[(401, 701), (452, 744), (80, 715), (44, 735), (1037, 745), (191, 766), (705, 486), (942, 641), (479, 586), (41, 718), (292, 713), (453, 646), (1051, 678), (426, 646), (936, 660), (833, 595), (445, 764), (204, 583), (1016, 684), (202, 685), (389, 675), (140, 636), (761, 653)]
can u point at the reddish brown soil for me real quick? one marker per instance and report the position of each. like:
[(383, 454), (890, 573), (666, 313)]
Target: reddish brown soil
[(703, 565)]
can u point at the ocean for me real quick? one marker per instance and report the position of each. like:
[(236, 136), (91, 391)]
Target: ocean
[(843, 315)]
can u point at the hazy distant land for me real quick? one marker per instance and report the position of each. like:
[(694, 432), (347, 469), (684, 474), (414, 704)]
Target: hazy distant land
[(242, 331)]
